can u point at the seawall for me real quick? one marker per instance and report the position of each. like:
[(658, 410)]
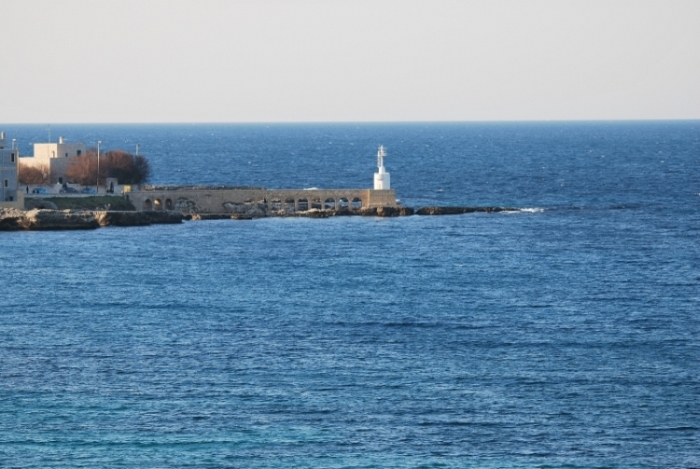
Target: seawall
[(257, 201)]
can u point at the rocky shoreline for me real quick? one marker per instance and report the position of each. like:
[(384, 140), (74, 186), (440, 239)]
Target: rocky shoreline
[(47, 219)]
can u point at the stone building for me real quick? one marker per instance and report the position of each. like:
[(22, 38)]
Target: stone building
[(9, 156), (54, 158)]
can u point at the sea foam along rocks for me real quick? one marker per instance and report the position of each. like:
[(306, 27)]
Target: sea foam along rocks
[(460, 210)]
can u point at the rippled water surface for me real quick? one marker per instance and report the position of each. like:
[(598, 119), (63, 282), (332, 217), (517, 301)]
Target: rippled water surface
[(565, 335)]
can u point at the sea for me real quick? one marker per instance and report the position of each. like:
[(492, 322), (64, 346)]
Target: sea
[(562, 334)]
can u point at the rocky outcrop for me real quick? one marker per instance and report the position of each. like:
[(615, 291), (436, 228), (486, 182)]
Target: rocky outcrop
[(460, 210), (41, 219), (315, 213), (386, 211), (211, 216), (38, 220), (12, 220), (145, 218)]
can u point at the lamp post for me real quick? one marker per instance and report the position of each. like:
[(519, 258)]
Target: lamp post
[(97, 184)]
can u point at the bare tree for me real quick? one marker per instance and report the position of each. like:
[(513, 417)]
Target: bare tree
[(32, 174), (83, 170), (125, 167)]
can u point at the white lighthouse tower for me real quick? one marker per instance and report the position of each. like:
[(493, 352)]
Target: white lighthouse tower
[(381, 177)]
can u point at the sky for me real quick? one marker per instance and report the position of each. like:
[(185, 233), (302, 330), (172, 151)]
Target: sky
[(188, 61)]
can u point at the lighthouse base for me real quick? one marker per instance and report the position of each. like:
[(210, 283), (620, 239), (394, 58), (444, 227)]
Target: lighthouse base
[(382, 181)]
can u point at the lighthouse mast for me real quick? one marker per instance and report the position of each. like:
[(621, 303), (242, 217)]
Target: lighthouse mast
[(381, 177)]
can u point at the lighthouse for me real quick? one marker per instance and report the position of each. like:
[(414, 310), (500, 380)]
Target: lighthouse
[(381, 177)]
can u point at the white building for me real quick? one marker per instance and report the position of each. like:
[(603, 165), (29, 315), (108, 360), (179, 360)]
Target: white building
[(9, 157), (54, 158)]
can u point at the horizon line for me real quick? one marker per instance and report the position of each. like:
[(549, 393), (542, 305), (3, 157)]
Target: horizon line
[(515, 121)]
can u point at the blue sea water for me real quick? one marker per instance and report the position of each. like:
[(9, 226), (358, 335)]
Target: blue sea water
[(563, 335)]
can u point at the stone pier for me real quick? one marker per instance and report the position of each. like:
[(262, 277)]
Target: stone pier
[(248, 199)]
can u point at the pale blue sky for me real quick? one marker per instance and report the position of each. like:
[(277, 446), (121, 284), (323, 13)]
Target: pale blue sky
[(360, 60)]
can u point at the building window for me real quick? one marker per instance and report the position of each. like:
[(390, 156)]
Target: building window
[(7, 183), (12, 157), (79, 152), (66, 155)]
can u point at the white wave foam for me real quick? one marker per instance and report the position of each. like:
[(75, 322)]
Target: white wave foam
[(532, 210)]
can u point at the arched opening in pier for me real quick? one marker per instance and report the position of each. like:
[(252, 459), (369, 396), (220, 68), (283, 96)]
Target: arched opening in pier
[(343, 203), (316, 203), (303, 205), (329, 203), (168, 204), (157, 205), (356, 203), (147, 204), (289, 204), (275, 204)]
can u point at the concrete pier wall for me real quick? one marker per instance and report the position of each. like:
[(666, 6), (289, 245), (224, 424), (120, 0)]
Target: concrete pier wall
[(235, 200)]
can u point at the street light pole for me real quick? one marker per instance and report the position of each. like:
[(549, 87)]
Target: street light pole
[(97, 184)]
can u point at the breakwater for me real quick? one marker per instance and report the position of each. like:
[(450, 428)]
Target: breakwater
[(44, 220)]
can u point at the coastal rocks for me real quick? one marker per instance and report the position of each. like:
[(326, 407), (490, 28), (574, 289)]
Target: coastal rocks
[(116, 218), (41, 219), (44, 220), (386, 211), (365, 212), (37, 220), (121, 218), (12, 219), (165, 217), (460, 210), (343, 212), (314, 213), (210, 216), (241, 216)]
